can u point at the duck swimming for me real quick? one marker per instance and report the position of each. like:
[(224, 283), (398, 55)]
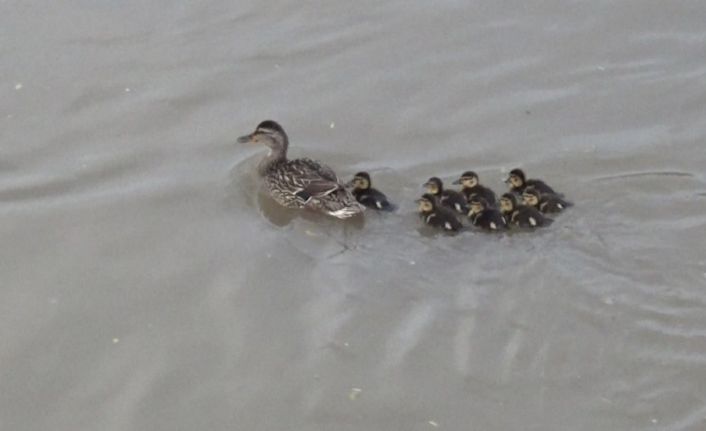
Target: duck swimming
[(299, 183), (518, 182), (544, 202), (448, 198), (484, 216), (470, 186), (367, 195), (521, 215), (436, 215)]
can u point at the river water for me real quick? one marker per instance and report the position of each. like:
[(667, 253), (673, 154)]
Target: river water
[(147, 284)]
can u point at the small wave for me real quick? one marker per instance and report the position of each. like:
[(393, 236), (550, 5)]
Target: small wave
[(645, 174)]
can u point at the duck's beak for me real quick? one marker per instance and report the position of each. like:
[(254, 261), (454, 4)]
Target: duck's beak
[(457, 182), (507, 180), (245, 139), (426, 185)]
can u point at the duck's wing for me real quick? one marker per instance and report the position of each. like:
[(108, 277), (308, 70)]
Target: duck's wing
[(310, 179), (320, 168), (320, 187)]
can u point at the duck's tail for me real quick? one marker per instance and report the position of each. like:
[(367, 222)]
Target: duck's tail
[(341, 204)]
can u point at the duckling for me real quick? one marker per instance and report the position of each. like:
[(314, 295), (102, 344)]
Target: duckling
[(544, 202), (436, 215), (485, 217), (470, 186), (299, 183), (521, 215), (518, 183), (367, 195), (448, 198)]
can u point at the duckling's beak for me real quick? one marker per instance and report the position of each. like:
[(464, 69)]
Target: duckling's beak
[(457, 182), (507, 180), (245, 139)]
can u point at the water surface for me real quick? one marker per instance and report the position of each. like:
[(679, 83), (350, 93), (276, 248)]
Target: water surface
[(146, 284)]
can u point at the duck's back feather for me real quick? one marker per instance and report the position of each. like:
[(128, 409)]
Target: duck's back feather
[(308, 183)]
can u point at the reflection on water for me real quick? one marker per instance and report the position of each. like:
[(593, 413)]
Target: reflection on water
[(149, 283)]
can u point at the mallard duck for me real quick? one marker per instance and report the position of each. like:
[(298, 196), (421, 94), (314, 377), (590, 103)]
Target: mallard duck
[(544, 202), (299, 183), (518, 182), (521, 215), (367, 195), (470, 186), (436, 215), (485, 217), (448, 198)]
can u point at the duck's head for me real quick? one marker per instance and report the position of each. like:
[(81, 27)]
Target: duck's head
[(361, 181), (530, 197), (426, 203), (516, 180), (434, 186), (267, 133), (468, 179), (508, 203), (477, 204)]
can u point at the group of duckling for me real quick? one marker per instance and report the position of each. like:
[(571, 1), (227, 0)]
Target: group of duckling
[(307, 183), (441, 207)]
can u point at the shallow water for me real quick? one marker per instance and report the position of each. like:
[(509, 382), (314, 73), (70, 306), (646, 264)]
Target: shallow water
[(147, 285)]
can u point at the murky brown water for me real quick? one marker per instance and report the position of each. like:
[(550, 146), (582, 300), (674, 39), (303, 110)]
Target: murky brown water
[(146, 285)]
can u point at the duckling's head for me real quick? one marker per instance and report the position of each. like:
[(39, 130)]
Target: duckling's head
[(530, 197), (427, 203), (434, 186), (361, 181), (508, 202), (468, 179), (268, 133), (477, 204), (516, 179)]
